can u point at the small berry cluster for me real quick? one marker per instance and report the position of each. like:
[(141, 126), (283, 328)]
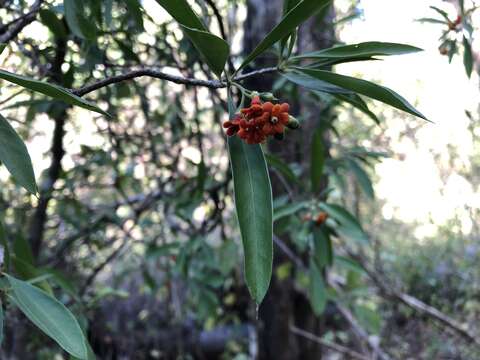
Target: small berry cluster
[(259, 121)]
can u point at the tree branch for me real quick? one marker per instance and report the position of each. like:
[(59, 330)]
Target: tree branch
[(157, 74), (389, 291), (330, 345), (21, 22)]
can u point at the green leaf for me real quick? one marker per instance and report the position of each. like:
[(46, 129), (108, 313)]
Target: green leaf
[(370, 319), (360, 51), (54, 91), (366, 88), (467, 56), (26, 271), (432, 21), (14, 155), (282, 167), (314, 84), (289, 23), (77, 21), (317, 160), (318, 290), (2, 47), (288, 210), (215, 50), (134, 9), (182, 13), (441, 12), (22, 249), (322, 243), (253, 202), (357, 102), (349, 264), (348, 224), (53, 23), (51, 316), (362, 178), (287, 6)]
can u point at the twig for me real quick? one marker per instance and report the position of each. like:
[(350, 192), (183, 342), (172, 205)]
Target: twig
[(157, 74), (21, 22), (213, 84), (335, 347), (289, 253), (266, 70), (414, 303), (361, 333)]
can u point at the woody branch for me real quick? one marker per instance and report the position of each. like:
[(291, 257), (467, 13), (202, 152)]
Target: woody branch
[(157, 74)]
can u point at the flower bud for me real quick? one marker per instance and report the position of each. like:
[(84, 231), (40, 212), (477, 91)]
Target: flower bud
[(268, 96), (293, 123)]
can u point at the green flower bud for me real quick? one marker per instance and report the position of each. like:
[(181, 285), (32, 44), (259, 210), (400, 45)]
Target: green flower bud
[(268, 96), (293, 123)]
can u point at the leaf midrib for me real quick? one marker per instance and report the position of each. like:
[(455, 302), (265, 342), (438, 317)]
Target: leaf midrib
[(252, 188), (47, 320)]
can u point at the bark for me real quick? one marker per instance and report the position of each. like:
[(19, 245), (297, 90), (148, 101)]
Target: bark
[(37, 226)]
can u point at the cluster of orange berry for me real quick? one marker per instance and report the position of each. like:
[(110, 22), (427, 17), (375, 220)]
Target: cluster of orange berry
[(261, 120)]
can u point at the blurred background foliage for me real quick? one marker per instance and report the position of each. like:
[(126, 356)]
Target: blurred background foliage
[(135, 229)]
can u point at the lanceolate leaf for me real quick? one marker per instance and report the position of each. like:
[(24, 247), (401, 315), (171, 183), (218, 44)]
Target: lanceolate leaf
[(182, 13), (287, 6), (51, 90), (366, 88), (314, 84), (288, 210), (51, 316), (50, 20), (348, 224), (281, 167), (362, 50), (363, 179), (441, 12), (433, 21), (14, 155), (290, 21), (77, 20), (253, 202), (467, 56), (357, 102), (214, 49), (318, 290), (322, 243)]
